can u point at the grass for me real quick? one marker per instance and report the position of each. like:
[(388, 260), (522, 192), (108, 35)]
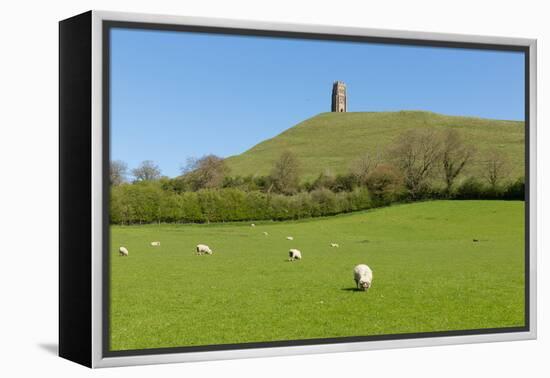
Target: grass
[(429, 275), (334, 140)]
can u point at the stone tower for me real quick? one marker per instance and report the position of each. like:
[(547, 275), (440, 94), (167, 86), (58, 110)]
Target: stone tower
[(339, 99)]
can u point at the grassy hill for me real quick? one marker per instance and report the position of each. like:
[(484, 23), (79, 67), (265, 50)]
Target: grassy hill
[(334, 140)]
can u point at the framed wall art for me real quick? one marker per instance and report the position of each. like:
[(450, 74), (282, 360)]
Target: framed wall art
[(234, 189)]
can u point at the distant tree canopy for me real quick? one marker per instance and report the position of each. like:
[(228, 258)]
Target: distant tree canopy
[(206, 172), (286, 173), (455, 155), (416, 153), (147, 171), (496, 168), (363, 166), (118, 172)]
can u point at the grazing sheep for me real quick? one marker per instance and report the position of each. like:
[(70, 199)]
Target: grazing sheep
[(362, 275), (265, 233), (253, 225), (155, 244), (294, 254), (289, 238), (123, 251), (202, 249), (334, 245)]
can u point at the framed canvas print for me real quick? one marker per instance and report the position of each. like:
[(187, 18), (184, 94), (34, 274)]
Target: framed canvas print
[(234, 189)]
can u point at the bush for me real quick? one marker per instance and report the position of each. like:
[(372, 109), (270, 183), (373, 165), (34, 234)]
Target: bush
[(148, 203), (325, 201), (516, 190), (470, 188), (190, 208), (136, 203), (301, 206), (257, 206), (474, 189), (211, 205), (359, 199), (345, 183), (324, 181), (385, 183), (161, 200), (116, 210), (169, 207)]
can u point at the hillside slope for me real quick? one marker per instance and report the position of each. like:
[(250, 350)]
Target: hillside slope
[(333, 140)]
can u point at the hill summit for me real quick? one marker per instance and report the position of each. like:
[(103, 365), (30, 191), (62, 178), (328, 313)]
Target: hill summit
[(332, 141)]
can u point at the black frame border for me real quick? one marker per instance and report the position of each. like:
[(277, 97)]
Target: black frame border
[(108, 25), (75, 189)]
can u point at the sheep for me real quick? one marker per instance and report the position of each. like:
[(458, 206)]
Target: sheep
[(202, 249), (362, 275), (334, 245), (252, 225), (289, 238), (155, 244), (265, 233), (294, 254), (123, 251)]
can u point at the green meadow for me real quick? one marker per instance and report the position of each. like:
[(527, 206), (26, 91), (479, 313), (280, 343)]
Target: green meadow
[(429, 275)]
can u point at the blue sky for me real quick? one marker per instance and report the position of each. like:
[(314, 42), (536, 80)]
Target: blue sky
[(176, 95)]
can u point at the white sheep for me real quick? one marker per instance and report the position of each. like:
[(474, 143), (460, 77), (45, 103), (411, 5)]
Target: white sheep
[(155, 244), (334, 245), (123, 251), (289, 238), (294, 254), (253, 225), (265, 233), (362, 275), (202, 249)]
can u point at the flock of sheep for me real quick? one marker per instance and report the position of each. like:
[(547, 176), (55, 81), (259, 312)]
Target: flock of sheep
[(362, 274)]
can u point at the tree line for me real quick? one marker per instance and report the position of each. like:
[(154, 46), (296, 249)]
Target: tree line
[(420, 164)]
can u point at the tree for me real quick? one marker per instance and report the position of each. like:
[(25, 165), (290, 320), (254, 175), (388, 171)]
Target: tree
[(205, 173), (344, 183), (384, 182), (363, 165), (325, 180), (496, 168), (454, 156), (147, 171), (118, 172), (416, 153), (285, 173)]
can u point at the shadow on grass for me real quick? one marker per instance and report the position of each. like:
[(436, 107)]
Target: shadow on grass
[(350, 289)]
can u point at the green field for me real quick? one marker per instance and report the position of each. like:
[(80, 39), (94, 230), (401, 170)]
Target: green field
[(429, 275), (334, 140)]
